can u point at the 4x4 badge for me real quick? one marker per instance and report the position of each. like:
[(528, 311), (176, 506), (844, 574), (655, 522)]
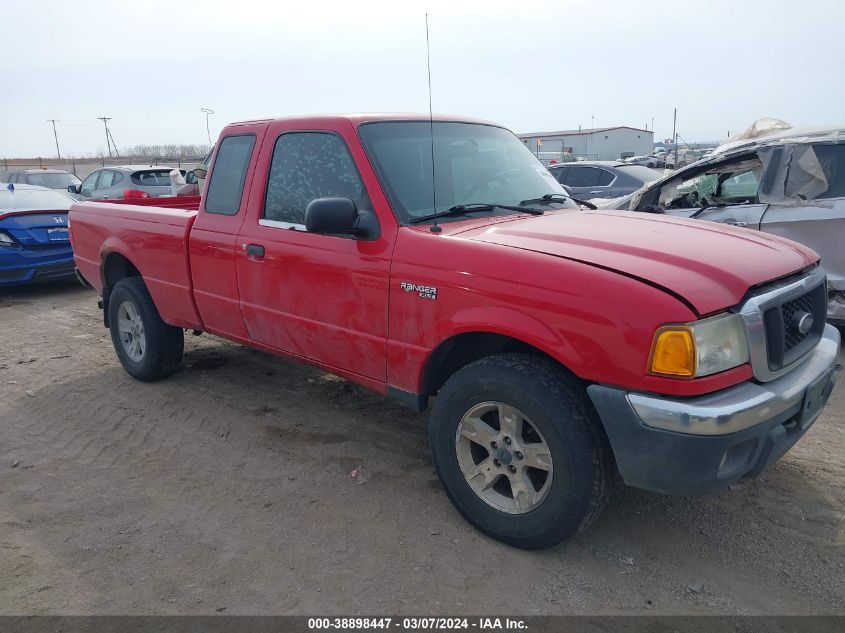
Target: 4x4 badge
[(426, 292)]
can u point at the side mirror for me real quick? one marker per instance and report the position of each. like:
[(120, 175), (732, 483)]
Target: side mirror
[(200, 172), (332, 215), (73, 188)]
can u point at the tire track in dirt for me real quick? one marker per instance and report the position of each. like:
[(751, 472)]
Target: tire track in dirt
[(229, 485)]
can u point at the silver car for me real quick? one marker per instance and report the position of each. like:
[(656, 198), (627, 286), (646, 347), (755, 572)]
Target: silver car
[(117, 183), (787, 182), (50, 178)]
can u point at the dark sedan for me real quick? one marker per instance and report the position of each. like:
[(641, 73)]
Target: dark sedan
[(603, 179)]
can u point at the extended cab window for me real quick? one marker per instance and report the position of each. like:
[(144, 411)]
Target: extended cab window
[(229, 173), (306, 166)]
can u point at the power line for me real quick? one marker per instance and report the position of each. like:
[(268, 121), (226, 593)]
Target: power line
[(55, 136)]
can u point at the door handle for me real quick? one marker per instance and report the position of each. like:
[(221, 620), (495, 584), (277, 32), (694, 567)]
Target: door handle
[(254, 250)]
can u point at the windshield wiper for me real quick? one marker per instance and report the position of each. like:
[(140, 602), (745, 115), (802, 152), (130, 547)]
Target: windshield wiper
[(550, 197), (463, 209)]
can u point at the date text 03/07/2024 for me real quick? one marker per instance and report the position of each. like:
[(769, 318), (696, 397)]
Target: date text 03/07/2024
[(417, 623)]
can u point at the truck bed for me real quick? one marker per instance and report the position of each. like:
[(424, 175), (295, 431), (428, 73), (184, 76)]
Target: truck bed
[(188, 203), (153, 239)]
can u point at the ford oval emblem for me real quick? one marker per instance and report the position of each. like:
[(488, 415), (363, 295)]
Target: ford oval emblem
[(804, 322)]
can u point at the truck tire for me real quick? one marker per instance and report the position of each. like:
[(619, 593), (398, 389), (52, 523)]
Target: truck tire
[(520, 450), (147, 347)]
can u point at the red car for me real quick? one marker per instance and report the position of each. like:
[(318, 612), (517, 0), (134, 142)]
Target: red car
[(439, 259)]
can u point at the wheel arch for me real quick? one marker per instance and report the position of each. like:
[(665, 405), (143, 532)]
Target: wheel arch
[(115, 266), (475, 341), (461, 349)]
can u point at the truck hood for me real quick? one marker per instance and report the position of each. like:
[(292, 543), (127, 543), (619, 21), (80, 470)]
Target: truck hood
[(711, 266)]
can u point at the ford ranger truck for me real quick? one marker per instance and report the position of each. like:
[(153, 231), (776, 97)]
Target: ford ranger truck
[(440, 262)]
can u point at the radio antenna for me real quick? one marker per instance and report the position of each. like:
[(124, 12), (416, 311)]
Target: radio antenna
[(435, 228)]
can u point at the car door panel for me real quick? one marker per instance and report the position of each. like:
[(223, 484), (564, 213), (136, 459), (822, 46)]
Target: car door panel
[(820, 226), (320, 297)]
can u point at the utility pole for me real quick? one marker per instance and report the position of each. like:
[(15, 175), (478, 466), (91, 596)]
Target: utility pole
[(105, 120), (113, 144), (207, 111), (55, 136), (675, 135)]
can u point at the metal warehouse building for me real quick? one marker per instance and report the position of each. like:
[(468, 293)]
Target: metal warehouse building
[(601, 143)]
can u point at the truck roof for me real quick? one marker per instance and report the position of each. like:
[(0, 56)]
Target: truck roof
[(358, 118)]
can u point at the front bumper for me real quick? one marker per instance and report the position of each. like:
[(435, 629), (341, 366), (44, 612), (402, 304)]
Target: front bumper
[(690, 446)]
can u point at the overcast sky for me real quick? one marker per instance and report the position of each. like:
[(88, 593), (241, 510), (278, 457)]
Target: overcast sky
[(532, 66)]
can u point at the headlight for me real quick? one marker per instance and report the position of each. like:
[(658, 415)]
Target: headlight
[(6, 240), (699, 349)]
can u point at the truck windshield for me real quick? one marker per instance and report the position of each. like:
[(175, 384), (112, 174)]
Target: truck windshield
[(472, 163)]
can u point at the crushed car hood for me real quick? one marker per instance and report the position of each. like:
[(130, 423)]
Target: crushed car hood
[(711, 266)]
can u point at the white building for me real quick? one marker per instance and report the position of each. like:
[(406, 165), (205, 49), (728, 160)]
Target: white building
[(601, 143)]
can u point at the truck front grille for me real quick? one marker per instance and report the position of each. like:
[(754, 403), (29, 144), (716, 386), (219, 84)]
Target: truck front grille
[(785, 341), (792, 312), (784, 320)]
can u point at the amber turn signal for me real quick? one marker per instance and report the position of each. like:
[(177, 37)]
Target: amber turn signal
[(673, 352)]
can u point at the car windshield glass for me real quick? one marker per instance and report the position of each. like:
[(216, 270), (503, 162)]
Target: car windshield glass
[(52, 180), (641, 172), (473, 163), (23, 199)]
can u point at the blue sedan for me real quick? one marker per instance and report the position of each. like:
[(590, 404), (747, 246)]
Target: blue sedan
[(34, 242)]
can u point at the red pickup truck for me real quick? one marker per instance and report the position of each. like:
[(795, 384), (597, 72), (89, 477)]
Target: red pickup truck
[(440, 259)]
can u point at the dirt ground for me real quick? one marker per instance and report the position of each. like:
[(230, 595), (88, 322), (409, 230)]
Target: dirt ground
[(228, 488)]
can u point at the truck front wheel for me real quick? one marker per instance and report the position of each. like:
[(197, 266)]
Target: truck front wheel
[(147, 347), (519, 450)]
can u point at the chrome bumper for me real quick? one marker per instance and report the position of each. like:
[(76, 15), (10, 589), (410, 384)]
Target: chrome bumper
[(695, 445), (743, 406)]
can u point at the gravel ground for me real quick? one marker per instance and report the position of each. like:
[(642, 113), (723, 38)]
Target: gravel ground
[(228, 488)]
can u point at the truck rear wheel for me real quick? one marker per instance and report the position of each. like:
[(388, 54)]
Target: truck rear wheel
[(519, 450), (148, 348)]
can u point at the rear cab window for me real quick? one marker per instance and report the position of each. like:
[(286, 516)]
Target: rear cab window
[(226, 185)]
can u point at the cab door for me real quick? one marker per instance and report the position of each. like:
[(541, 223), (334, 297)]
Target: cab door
[(214, 235), (320, 297)]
